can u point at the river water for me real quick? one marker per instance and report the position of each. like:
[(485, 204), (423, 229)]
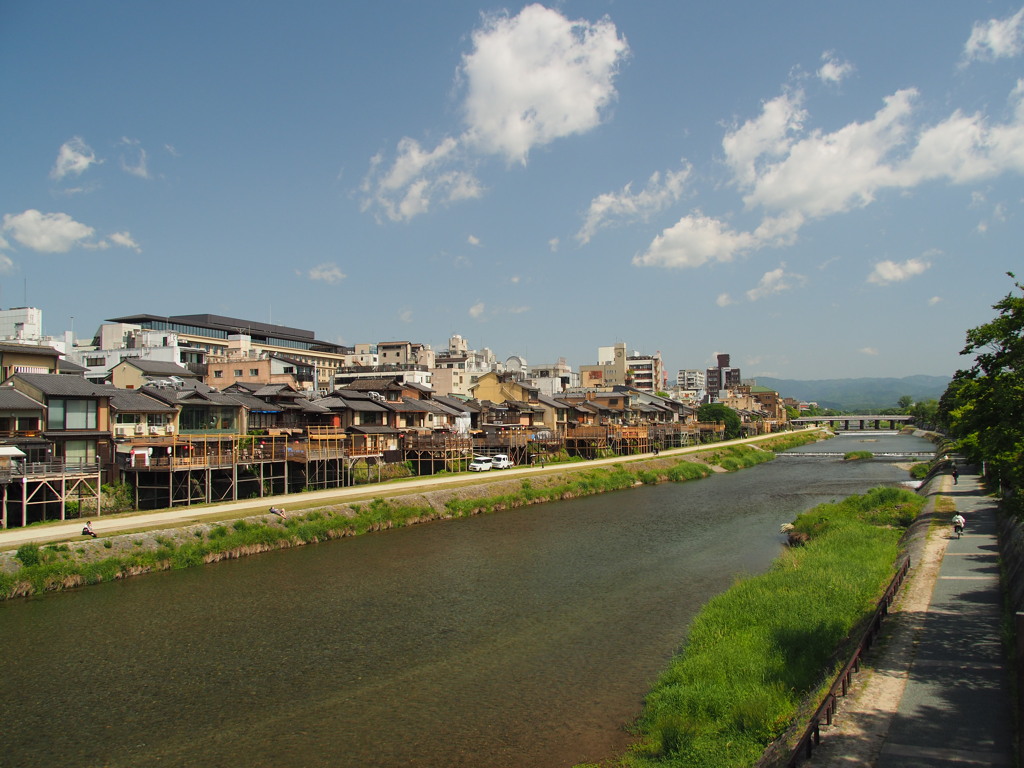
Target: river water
[(526, 638)]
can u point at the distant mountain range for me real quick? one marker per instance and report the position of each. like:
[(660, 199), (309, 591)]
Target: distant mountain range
[(858, 394)]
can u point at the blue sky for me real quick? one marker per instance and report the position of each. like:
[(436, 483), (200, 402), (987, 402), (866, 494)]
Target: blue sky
[(819, 189)]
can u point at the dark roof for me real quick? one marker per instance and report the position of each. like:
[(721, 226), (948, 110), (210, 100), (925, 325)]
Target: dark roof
[(13, 400), (66, 366), (374, 385), (32, 349), (71, 386), (137, 401), (408, 405), (254, 404), (456, 403), (159, 367), (373, 430)]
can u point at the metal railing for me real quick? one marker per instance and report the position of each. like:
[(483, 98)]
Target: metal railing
[(827, 709)]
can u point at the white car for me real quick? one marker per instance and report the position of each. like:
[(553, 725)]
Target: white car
[(480, 464), (501, 461)]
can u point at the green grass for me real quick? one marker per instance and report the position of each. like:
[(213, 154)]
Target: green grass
[(858, 455), (756, 651)]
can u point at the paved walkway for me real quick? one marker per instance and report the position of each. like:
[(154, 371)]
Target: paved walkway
[(956, 708)]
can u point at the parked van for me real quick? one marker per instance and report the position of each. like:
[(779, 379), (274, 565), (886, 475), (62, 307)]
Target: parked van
[(480, 464), (501, 461)]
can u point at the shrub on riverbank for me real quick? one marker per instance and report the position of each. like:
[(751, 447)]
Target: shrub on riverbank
[(858, 455), (756, 651)]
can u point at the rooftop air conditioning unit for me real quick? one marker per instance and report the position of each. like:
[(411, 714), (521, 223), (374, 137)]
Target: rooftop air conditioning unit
[(139, 429), (121, 431), (154, 430)]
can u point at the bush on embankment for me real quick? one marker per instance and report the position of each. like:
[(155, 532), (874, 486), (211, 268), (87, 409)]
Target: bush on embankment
[(56, 567), (757, 651)]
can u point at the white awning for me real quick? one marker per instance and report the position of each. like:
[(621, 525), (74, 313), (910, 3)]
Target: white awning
[(11, 451)]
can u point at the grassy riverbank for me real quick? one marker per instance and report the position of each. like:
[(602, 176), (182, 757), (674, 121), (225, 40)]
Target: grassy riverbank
[(757, 651), (36, 569)]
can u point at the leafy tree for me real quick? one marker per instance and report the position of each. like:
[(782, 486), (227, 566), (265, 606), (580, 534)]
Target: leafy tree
[(711, 412), (904, 403), (983, 406), (925, 413)]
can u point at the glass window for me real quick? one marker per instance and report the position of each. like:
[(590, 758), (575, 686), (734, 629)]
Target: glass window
[(80, 452), (218, 374), (55, 415), (238, 371), (80, 414), (254, 371)]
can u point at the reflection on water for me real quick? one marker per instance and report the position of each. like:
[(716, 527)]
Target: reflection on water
[(524, 638)]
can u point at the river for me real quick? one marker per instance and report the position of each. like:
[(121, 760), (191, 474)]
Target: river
[(525, 638)]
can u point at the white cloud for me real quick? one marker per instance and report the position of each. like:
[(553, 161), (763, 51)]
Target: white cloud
[(473, 240), (74, 156), (625, 206), (775, 281), (822, 174), (416, 180), (537, 77), (530, 79), (796, 175), (768, 135), (724, 300), (886, 272), (6, 264), (868, 351), (553, 244), (934, 300), (405, 315), (133, 159), (477, 310), (125, 240), (328, 272), (833, 70), (996, 39), (692, 242), (46, 232)]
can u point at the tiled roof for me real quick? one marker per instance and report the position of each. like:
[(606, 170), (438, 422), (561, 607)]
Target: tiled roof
[(159, 368), (254, 404), (66, 366), (137, 401), (55, 384), (31, 349), (13, 400)]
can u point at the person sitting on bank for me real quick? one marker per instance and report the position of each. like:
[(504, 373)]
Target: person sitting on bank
[(279, 512), (88, 531)]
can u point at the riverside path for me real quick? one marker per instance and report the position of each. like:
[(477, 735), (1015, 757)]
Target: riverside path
[(956, 708)]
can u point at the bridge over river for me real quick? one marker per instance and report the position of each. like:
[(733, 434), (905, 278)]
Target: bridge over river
[(864, 422)]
